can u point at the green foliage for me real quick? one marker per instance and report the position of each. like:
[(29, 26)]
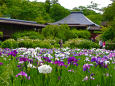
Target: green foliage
[(81, 43), (25, 42), (97, 18), (58, 12), (99, 37), (30, 34), (25, 10), (81, 34), (54, 1), (33, 43), (1, 34), (50, 30), (33, 10), (41, 12), (110, 44), (9, 43), (47, 5), (108, 34), (62, 32), (42, 43), (85, 10), (109, 13)]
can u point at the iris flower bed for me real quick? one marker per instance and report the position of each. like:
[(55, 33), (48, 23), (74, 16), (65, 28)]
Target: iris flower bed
[(55, 67)]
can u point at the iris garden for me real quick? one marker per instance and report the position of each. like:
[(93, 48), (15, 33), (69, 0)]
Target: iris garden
[(57, 67)]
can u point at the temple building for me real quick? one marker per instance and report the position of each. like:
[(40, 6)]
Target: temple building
[(79, 21), (75, 20), (10, 26)]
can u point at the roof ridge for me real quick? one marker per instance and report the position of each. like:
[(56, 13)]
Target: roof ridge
[(17, 20), (77, 12)]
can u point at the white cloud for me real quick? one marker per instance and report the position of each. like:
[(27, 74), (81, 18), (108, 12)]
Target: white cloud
[(75, 3)]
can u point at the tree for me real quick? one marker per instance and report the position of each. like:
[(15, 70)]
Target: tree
[(47, 5), (25, 10), (109, 13), (2, 2), (109, 34), (93, 6), (54, 1), (58, 12), (97, 18)]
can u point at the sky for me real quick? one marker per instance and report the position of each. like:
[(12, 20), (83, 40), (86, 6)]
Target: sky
[(70, 4)]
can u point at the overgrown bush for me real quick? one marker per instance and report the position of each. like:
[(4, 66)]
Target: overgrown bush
[(42, 43), (50, 30), (30, 34), (25, 42), (110, 44), (81, 43), (109, 34), (62, 32), (81, 34), (99, 37), (29, 43), (1, 34), (9, 43)]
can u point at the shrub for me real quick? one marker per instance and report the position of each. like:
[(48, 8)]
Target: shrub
[(109, 34), (66, 45), (84, 34), (62, 32), (50, 30), (1, 34), (81, 34), (29, 43), (42, 44), (9, 43), (56, 45), (25, 42), (0, 43), (74, 33), (81, 43), (110, 44), (30, 34), (99, 37)]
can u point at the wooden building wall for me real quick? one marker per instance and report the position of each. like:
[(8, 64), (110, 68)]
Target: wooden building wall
[(9, 29)]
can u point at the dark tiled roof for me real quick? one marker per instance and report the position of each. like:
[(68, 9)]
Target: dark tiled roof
[(16, 20), (76, 18), (20, 22)]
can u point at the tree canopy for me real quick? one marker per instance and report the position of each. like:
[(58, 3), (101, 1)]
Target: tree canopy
[(40, 12), (109, 12)]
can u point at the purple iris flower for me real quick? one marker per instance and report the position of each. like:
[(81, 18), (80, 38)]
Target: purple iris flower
[(93, 59), (13, 53), (47, 59), (1, 63), (23, 74), (31, 60), (105, 65), (0, 53), (72, 60), (23, 59), (92, 74), (100, 61), (86, 67), (59, 63)]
